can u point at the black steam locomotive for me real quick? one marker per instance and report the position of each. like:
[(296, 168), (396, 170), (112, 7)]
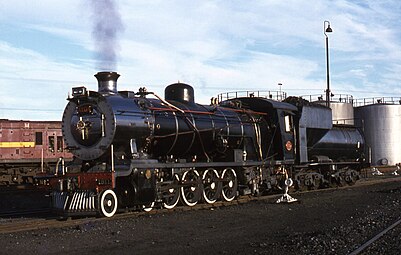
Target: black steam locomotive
[(139, 150)]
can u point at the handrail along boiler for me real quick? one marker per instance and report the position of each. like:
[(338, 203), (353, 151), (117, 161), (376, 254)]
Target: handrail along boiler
[(137, 149)]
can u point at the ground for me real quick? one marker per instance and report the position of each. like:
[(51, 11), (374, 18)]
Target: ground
[(329, 222)]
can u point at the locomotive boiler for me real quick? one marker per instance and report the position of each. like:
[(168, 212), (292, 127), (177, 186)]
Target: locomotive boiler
[(138, 150)]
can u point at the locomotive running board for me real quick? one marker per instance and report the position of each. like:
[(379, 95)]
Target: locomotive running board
[(153, 164)]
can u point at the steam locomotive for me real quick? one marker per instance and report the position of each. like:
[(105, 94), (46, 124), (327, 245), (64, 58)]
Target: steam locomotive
[(138, 150)]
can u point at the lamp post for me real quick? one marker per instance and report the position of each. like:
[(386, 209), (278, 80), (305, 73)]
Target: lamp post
[(327, 29), (279, 85)]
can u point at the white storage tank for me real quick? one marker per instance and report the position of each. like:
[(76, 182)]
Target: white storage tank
[(341, 107), (343, 113), (381, 123)]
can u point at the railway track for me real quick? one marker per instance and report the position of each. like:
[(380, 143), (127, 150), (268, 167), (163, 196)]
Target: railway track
[(29, 224), (51, 222), (371, 241), (24, 213)]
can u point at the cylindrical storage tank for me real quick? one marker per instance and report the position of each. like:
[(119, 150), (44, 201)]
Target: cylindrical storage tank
[(382, 128), (343, 113)]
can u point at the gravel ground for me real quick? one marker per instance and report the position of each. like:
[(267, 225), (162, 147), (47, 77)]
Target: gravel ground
[(328, 222), (16, 200)]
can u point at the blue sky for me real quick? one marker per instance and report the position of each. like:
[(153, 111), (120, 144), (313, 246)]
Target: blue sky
[(47, 47)]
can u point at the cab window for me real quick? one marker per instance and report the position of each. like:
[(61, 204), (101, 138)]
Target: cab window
[(288, 123)]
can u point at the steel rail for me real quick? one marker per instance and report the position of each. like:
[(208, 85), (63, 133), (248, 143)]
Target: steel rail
[(375, 238)]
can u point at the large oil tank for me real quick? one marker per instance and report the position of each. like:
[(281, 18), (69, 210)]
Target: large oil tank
[(343, 113), (381, 123), (341, 107)]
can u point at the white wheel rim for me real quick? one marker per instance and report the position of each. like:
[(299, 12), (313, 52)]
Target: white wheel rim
[(230, 184), (186, 201), (109, 203), (167, 206), (213, 186)]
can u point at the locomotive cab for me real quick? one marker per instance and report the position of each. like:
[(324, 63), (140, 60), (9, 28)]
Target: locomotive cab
[(278, 135)]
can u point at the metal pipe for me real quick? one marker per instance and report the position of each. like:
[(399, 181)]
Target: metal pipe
[(42, 161), (327, 71), (60, 160), (112, 158)]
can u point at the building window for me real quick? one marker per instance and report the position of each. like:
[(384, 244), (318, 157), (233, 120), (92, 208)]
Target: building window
[(59, 144), (51, 143)]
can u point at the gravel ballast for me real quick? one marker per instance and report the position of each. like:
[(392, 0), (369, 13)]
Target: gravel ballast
[(325, 222)]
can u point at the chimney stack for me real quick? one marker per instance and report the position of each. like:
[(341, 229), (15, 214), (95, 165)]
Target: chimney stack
[(107, 81)]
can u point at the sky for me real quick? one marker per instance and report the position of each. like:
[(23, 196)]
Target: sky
[(48, 47)]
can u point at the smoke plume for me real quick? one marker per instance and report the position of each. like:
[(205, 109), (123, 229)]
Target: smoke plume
[(107, 25)]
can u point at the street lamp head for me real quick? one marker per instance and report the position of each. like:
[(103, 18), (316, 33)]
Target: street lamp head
[(329, 30)]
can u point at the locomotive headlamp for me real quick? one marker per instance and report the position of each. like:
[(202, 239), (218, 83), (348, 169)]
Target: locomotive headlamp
[(78, 91)]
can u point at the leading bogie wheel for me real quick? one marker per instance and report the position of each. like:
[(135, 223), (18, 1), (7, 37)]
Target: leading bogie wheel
[(229, 184), (108, 203), (148, 207)]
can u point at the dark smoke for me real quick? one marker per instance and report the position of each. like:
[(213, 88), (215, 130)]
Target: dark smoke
[(107, 25)]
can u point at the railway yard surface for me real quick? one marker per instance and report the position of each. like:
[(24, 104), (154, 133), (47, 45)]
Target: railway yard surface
[(333, 221)]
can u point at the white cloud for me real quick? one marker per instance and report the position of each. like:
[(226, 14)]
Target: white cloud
[(32, 81), (214, 45)]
